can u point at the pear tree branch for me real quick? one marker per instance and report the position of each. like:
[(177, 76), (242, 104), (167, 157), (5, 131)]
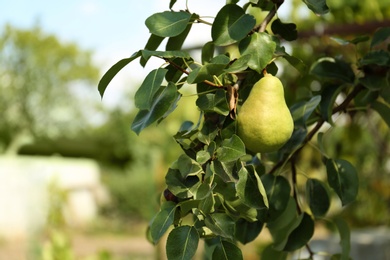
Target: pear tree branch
[(270, 15), (340, 108)]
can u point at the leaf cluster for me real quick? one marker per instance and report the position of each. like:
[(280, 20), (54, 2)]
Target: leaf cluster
[(217, 190)]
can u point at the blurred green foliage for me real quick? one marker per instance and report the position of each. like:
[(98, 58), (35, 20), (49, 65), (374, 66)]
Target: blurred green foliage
[(40, 77)]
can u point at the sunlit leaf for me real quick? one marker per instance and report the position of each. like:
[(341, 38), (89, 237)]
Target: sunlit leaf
[(343, 178), (168, 23), (176, 42), (231, 24), (240, 64), (165, 54), (231, 149), (207, 71), (111, 72), (182, 243), (250, 188), (261, 47), (214, 102)]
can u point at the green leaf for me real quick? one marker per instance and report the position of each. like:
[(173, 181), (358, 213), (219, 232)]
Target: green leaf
[(176, 42), (380, 36), (214, 103), (375, 82), (182, 243), (301, 235), (172, 3), (301, 111), (247, 231), (207, 52), (202, 156), (162, 221), (188, 166), (328, 98), (166, 54), (345, 238), (186, 206), (143, 98), (182, 187), (231, 149), (221, 225), (319, 7), (231, 25), (287, 31), (226, 250), (381, 58), (250, 188), (163, 101), (207, 71), (152, 45), (269, 253), (332, 69), (261, 47), (343, 178), (111, 72), (239, 65), (278, 192), (168, 23), (281, 227), (317, 197), (383, 110), (206, 206), (296, 63)]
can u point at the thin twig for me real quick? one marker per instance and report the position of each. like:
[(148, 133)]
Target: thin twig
[(270, 15), (186, 72), (294, 183)]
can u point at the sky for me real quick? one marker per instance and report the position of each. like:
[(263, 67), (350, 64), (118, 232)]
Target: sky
[(111, 29)]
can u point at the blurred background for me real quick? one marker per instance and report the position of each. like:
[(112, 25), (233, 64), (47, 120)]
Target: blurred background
[(76, 183)]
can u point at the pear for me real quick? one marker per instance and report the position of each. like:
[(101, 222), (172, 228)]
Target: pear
[(264, 122)]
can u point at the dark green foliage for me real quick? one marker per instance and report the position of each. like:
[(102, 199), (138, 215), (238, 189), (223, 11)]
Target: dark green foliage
[(230, 193)]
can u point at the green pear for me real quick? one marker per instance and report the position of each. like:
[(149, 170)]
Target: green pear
[(264, 122)]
